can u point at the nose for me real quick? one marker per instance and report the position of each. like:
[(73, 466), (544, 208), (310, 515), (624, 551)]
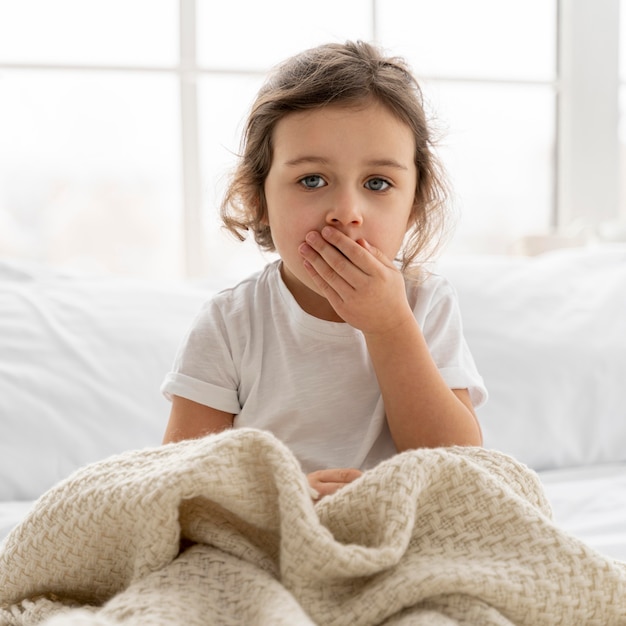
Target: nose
[(344, 209)]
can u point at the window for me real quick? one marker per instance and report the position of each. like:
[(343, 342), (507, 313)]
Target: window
[(495, 96), (118, 125), (90, 135), (615, 227)]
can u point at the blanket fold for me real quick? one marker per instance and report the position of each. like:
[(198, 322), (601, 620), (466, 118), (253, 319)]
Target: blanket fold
[(443, 536)]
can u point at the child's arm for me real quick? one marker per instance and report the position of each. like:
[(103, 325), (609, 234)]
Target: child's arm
[(421, 409), (191, 420), (367, 291)]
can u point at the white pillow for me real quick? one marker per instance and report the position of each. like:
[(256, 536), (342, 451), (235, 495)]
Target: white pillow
[(549, 337), (81, 363), (82, 360)]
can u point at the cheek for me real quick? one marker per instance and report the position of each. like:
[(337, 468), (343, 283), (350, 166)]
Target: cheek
[(287, 234), (389, 241), (292, 219)]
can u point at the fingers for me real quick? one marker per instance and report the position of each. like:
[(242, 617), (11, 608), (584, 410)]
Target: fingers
[(337, 264), (332, 240), (338, 475), (360, 283), (328, 481), (360, 252), (335, 257)]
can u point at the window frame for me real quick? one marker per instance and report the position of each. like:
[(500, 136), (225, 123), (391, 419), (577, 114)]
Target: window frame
[(586, 155)]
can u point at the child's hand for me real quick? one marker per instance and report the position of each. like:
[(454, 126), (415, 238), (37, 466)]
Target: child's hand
[(362, 285), (326, 482)]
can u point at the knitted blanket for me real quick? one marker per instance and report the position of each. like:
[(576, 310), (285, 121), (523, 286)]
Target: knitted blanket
[(223, 530)]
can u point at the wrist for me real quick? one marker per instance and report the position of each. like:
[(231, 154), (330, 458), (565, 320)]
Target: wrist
[(401, 326)]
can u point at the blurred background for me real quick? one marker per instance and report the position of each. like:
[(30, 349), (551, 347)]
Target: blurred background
[(120, 119)]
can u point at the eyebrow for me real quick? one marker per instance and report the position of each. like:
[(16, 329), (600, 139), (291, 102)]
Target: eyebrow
[(322, 161)]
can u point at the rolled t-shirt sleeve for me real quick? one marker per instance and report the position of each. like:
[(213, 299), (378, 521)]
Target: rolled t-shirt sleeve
[(443, 331), (204, 369)]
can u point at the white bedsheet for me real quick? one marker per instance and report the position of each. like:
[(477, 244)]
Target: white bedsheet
[(589, 503), (10, 515)]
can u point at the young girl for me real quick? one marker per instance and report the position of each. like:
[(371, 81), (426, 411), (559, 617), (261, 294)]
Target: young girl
[(337, 348)]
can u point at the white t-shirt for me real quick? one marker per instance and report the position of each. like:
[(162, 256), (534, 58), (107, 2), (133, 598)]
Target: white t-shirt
[(253, 352)]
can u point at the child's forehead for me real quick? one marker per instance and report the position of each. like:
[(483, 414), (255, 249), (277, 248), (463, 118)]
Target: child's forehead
[(334, 132)]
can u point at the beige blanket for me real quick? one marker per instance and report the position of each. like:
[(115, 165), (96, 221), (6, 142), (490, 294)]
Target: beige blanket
[(437, 537)]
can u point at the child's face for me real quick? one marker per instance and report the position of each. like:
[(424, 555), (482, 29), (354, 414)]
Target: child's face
[(351, 168)]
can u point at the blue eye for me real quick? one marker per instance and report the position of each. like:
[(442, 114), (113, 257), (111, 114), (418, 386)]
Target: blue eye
[(377, 184), (313, 182)]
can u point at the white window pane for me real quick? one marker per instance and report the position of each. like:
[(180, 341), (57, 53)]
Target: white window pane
[(125, 32), (622, 40), (497, 147), (89, 171), (248, 34), (480, 39), (224, 102), (618, 229)]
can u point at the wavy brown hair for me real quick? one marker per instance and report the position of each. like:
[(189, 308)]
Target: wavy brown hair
[(347, 74)]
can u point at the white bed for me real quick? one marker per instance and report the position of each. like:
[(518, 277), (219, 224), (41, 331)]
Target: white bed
[(590, 503), (82, 358)]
